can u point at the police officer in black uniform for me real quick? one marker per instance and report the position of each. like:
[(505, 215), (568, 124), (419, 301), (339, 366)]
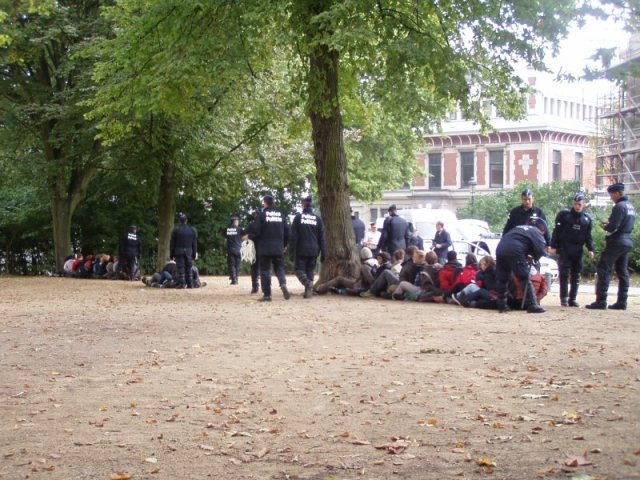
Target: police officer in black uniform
[(234, 244), (129, 251), (307, 241), (358, 228), (183, 249), (395, 232), (571, 233), (521, 215), (252, 234), (618, 244), (517, 250), (272, 234)]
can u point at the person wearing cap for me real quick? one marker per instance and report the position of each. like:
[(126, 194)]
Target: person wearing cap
[(183, 249), (129, 251), (618, 244), (307, 242), (570, 235), (353, 286), (234, 244), (517, 250), (441, 242), (395, 232), (358, 228), (372, 237), (272, 235), (521, 214)]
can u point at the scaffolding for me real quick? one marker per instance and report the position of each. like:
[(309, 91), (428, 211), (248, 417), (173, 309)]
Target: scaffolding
[(618, 139)]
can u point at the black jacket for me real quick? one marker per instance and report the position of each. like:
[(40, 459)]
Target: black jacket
[(395, 234), (234, 239), (358, 229), (621, 222), (443, 238), (520, 216), (307, 234), (130, 244), (487, 279), (571, 233), (521, 241), (184, 241), (271, 232)]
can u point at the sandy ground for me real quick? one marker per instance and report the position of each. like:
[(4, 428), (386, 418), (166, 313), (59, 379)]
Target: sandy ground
[(113, 380)]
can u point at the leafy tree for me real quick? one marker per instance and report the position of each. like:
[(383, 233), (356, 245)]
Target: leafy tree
[(42, 84)]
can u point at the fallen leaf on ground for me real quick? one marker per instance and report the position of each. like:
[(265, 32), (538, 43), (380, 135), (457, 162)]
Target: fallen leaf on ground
[(486, 462), (395, 447), (577, 460), (120, 476)]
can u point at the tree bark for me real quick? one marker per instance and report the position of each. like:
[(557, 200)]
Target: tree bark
[(331, 164), (166, 211)]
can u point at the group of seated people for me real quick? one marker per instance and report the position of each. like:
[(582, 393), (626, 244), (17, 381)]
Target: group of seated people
[(417, 276), (168, 277), (98, 266)]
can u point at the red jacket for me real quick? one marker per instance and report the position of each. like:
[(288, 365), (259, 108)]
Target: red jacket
[(447, 276), (464, 278)]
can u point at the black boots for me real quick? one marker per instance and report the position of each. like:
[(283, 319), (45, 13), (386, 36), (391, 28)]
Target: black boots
[(285, 292), (308, 290)]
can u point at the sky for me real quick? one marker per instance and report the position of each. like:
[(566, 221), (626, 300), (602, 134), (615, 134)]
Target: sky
[(582, 43)]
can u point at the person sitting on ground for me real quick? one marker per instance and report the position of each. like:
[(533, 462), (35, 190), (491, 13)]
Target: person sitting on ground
[(405, 288), (346, 285), (449, 272), (466, 276), (481, 293), (515, 292), (397, 261), (430, 280), (385, 283)]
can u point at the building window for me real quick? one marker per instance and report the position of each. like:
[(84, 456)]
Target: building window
[(556, 161), (467, 168), (496, 168), (453, 115), (435, 171), (579, 167)]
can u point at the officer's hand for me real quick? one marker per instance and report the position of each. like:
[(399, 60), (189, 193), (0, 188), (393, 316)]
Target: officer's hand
[(603, 225), (591, 255)]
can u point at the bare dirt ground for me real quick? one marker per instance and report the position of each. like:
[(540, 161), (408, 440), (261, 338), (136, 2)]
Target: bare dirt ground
[(113, 380)]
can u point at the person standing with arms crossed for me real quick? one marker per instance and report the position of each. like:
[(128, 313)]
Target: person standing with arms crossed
[(183, 249), (570, 235), (618, 244)]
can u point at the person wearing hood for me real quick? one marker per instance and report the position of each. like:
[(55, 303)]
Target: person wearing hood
[(234, 244), (307, 242), (618, 244), (570, 235)]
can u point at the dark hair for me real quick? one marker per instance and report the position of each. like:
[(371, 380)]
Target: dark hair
[(431, 258), (398, 254), (385, 256), (451, 256), (471, 259), (411, 249)]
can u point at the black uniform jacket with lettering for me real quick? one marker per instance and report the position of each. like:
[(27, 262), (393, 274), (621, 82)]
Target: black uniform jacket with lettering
[(184, 241), (621, 222), (130, 244), (521, 241), (234, 239), (520, 216), (572, 232), (271, 232), (307, 234)]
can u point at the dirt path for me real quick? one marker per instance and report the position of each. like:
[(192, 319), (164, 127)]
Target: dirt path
[(103, 380)]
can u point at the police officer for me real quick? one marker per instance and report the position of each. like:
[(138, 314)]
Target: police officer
[(395, 232), (234, 244), (129, 251), (618, 244), (517, 250), (252, 234), (571, 233), (358, 228), (272, 234), (521, 214), (183, 249), (307, 241)]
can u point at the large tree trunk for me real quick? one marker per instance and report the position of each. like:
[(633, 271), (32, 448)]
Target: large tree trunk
[(61, 216), (331, 164), (166, 211)]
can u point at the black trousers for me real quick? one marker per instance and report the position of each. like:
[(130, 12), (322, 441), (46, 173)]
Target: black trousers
[(128, 265), (569, 268), (266, 261), (305, 268), (613, 256), (183, 265), (233, 263)]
